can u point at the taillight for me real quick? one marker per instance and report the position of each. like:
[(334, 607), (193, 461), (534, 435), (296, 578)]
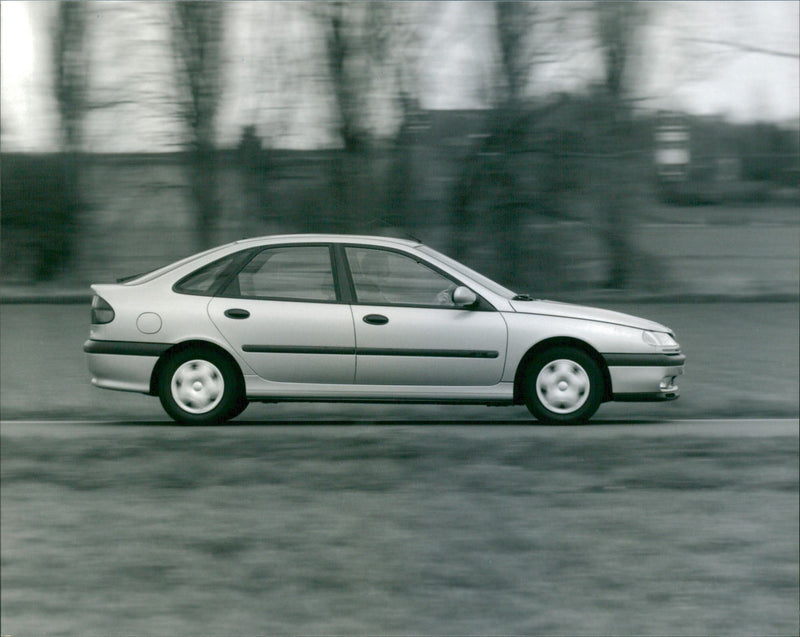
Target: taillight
[(102, 312)]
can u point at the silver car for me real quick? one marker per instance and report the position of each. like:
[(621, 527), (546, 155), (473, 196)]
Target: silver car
[(363, 319)]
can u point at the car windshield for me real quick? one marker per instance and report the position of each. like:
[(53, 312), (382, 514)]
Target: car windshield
[(486, 282)]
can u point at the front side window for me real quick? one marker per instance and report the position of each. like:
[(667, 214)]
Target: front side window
[(301, 273), (384, 277)]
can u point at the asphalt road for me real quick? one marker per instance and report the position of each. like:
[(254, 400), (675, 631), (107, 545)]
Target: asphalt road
[(743, 360), (351, 527)]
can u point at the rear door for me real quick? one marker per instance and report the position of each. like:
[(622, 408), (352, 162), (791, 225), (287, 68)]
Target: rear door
[(283, 315), (409, 331)]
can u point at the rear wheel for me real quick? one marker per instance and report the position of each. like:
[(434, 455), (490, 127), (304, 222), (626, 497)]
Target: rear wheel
[(239, 407), (200, 386), (563, 386)]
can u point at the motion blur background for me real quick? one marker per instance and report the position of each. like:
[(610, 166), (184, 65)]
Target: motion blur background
[(643, 155), (576, 149)]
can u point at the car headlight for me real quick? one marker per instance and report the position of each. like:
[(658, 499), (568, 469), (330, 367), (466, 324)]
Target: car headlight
[(659, 339)]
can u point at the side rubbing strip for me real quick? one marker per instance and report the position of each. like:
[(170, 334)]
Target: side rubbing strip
[(297, 349), (125, 348), (370, 351), (433, 353)]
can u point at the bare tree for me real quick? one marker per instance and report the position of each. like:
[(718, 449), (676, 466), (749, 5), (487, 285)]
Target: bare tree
[(71, 72), (619, 26), (615, 32), (347, 54), (371, 52), (354, 39), (404, 35), (197, 47), (515, 23), (742, 47), (495, 161), (345, 43)]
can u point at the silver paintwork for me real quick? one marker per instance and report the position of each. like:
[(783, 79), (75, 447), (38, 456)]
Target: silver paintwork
[(500, 393), (123, 373), (430, 328), (568, 310), (640, 380), (525, 330), (463, 296), (289, 324), (512, 330)]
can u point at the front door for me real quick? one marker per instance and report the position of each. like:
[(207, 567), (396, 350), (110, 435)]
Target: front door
[(283, 316), (410, 332)]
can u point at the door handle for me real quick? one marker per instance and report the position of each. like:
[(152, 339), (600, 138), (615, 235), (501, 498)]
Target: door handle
[(376, 319), (236, 313)]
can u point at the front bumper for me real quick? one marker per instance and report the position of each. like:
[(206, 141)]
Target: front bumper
[(645, 377)]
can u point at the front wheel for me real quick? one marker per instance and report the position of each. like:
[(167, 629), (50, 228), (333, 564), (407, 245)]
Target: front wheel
[(200, 387), (563, 386)]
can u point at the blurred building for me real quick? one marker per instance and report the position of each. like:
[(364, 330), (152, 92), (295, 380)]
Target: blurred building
[(672, 147)]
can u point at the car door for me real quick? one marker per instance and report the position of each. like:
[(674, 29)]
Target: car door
[(410, 332), (283, 315)]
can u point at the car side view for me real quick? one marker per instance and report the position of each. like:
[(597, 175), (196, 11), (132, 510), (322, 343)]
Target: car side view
[(340, 318)]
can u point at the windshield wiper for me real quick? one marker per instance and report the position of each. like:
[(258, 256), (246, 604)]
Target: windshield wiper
[(522, 297)]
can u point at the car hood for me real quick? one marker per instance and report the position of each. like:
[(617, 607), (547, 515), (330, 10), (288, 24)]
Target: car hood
[(584, 313)]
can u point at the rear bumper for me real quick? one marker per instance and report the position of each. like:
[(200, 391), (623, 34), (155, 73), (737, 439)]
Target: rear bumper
[(123, 367)]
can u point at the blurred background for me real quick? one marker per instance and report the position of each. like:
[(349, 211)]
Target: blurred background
[(592, 151), (563, 148)]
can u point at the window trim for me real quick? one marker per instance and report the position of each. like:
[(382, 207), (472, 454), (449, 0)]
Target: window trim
[(344, 279), (238, 261), (223, 291)]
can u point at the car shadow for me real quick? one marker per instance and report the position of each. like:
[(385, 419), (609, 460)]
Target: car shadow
[(389, 422)]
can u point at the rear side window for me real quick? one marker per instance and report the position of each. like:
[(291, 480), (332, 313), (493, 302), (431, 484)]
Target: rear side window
[(301, 273), (210, 278)]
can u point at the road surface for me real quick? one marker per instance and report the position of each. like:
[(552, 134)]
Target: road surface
[(742, 360), (400, 527)]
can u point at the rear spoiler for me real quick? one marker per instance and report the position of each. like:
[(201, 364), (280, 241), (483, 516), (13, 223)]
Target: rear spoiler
[(131, 277)]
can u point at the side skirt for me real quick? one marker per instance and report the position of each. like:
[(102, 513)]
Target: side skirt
[(257, 389), (647, 397), (387, 401)]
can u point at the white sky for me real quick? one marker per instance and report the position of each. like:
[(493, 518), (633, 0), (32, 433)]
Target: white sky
[(292, 102)]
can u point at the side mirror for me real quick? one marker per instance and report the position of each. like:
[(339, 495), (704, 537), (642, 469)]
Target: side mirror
[(464, 297)]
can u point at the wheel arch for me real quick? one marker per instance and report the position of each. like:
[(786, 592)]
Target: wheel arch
[(186, 345), (560, 341)]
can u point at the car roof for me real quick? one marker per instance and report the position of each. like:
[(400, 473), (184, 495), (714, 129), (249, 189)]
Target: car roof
[(329, 238), (275, 239)]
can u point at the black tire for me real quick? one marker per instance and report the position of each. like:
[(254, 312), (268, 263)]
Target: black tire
[(563, 386), (200, 386), (239, 407)]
